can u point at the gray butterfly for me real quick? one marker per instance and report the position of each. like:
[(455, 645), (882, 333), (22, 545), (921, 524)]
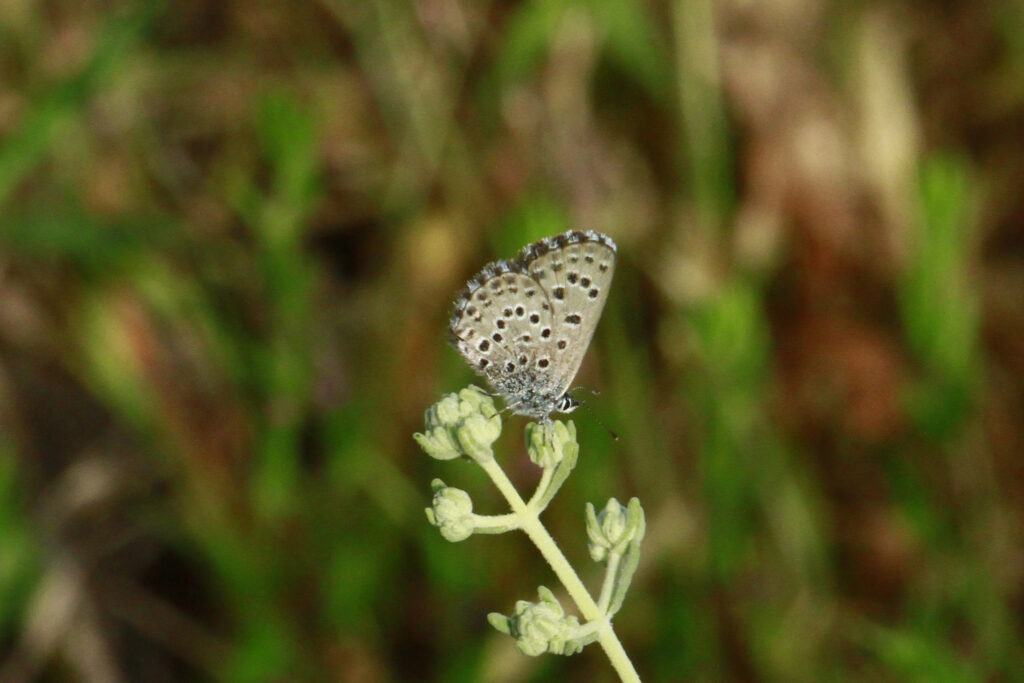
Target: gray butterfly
[(525, 324)]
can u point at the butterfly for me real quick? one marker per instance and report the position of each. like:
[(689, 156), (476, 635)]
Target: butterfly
[(525, 324)]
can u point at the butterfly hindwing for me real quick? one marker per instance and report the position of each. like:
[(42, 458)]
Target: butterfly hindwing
[(497, 328)]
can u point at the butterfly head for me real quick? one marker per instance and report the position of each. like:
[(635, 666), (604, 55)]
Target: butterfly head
[(566, 403)]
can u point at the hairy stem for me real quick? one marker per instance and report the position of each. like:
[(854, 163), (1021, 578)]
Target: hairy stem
[(609, 583)]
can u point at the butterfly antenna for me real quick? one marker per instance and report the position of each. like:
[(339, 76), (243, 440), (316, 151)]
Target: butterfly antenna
[(583, 404)]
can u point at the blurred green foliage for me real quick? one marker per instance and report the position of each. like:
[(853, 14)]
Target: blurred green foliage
[(19, 562), (229, 237)]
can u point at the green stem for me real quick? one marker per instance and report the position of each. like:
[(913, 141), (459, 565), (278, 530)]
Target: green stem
[(531, 524), (496, 521), (609, 582), (542, 487)]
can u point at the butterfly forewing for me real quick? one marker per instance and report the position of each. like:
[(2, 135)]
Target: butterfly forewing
[(576, 277)]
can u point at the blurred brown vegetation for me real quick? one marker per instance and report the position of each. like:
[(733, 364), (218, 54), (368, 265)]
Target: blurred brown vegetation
[(229, 236)]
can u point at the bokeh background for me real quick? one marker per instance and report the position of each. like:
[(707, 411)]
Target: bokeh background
[(230, 233)]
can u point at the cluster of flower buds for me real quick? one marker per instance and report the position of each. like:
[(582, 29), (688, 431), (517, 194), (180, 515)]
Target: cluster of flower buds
[(540, 627), (452, 512), (612, 529), (463, 424), (549, 443)]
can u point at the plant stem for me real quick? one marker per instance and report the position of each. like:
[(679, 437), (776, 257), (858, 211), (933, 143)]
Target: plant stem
[(609, 583), (542, 487), (531, 524)]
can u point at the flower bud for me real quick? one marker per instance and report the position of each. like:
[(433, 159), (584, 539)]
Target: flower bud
[(451, 512), (609, 530), (476, 434), (548, 443)]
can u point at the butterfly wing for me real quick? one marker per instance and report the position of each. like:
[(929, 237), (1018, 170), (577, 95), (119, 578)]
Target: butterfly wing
[(498, 326), (575, 271)]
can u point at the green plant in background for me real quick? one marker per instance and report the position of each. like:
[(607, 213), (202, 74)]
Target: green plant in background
[(466, 425), (939, 308), (18, 553)]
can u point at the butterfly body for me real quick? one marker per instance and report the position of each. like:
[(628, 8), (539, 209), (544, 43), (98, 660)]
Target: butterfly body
[(525, 323)]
